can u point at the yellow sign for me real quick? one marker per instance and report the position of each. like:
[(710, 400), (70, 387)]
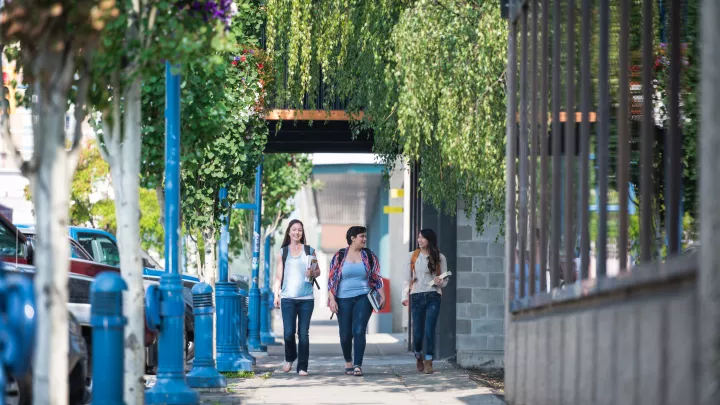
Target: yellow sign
[(397, 193), (390, 209)]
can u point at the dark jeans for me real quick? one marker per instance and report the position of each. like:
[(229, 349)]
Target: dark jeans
[(297, 312), (425, 309), (353, 317)]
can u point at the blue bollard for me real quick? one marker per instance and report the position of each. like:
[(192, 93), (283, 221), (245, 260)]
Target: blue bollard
[(171, 386), (108, 338), (17, 323), (230, 315), (254, 344), (204, 374)]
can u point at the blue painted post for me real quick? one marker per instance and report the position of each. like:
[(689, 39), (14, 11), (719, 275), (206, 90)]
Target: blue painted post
[(265, 299), (254, 307), (204, 374), (232, 354), (108, 330), (171, 386), (17, 323)]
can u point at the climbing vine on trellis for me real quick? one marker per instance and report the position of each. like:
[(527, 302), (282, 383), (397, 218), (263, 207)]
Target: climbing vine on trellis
[(429, 76)]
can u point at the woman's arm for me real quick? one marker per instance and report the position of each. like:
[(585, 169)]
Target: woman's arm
[(279, 269), (407, 280)]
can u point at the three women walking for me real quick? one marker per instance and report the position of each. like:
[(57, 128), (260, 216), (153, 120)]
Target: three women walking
[(353, 280)]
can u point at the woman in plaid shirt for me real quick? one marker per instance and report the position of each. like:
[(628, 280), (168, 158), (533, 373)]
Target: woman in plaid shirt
[(354, 272)]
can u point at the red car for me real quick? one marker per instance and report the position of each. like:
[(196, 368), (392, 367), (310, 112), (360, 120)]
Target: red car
[(15, 247)]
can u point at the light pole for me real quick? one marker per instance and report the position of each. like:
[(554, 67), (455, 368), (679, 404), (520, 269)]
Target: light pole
[(266, 300), (254, 343), (171, 386)]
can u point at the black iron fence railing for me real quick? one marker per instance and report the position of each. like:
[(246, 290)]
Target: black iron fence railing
[(594, 77)]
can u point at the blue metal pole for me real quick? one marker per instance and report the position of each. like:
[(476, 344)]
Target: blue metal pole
[(204, 374), (254, 306), (232, 354), (108, 330), (265, 298), (171, 387)]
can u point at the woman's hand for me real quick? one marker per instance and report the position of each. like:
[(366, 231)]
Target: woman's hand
[(333, 305), (438, 280), (277, 300), (405, 302), (310, 273)]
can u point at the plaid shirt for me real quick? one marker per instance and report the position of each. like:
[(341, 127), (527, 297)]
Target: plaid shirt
[(335, 274)]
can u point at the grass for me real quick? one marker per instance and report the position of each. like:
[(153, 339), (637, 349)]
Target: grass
[(239, 374)]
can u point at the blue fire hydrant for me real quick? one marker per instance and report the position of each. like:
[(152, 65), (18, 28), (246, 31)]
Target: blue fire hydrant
[(204, 374), (108, 338), (17, 324)]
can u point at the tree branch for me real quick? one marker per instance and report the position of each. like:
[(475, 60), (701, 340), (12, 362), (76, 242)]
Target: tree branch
[(26, 168), (80, 113)]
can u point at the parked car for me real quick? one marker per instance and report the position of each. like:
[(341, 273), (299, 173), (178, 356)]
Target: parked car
[(18, 389)]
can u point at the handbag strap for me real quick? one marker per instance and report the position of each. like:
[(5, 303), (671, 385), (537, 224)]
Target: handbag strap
[(413, 259)]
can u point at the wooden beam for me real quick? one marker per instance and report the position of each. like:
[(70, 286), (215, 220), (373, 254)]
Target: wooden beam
[(308, 115), (563, 117)]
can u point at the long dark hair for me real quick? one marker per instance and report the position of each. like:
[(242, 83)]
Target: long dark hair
[(286, 239), (433, 251)]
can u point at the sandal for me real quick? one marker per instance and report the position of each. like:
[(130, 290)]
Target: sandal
[(348, 370), (358, 371), (287, 366), (303, 373)]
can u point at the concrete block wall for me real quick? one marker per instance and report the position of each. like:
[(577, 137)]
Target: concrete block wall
[(480, 304)]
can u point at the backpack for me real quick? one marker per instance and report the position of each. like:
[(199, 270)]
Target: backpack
[(285, 251), (413, 259)]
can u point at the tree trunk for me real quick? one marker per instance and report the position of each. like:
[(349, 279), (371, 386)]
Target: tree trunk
[(50, 193), (193, 264), (125, 171), (210, 267)]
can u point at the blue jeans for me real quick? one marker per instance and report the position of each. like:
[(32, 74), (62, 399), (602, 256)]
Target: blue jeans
[(297, 312), (353, 316), (538, 274), (425, 309)]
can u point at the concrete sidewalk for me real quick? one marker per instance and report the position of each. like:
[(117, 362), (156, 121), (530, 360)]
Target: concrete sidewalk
[(390, 377)]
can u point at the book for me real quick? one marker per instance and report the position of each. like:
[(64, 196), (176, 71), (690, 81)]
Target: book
[(442, 276), (375, 299)]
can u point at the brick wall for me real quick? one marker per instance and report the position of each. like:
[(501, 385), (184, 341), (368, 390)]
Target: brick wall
[(480, 295)]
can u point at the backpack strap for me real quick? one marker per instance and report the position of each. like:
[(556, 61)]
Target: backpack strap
[(369, 254), (285, 250), (413, 259)]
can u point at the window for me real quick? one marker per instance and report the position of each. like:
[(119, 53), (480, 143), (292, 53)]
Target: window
[(102, 248), (10, 245)]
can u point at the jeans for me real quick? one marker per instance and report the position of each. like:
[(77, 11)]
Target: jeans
[(353, 316), (527, 280), (297, 312), (425, 309)]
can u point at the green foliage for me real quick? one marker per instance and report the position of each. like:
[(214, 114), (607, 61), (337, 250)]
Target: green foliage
[(223, 134), (283, 176), (432, 84)]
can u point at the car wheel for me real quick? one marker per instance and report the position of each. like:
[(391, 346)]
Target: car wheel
[(18, 392), (78, 385), (189, 335)]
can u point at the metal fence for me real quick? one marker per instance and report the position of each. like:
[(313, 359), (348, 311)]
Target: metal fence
[(601, 82)]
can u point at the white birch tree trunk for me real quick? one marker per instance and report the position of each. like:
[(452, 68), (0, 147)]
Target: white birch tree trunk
[(123, 146), (210, 269), (50, 186), (193, 262)]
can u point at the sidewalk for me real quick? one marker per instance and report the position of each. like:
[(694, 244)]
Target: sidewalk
[(390, 377)]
